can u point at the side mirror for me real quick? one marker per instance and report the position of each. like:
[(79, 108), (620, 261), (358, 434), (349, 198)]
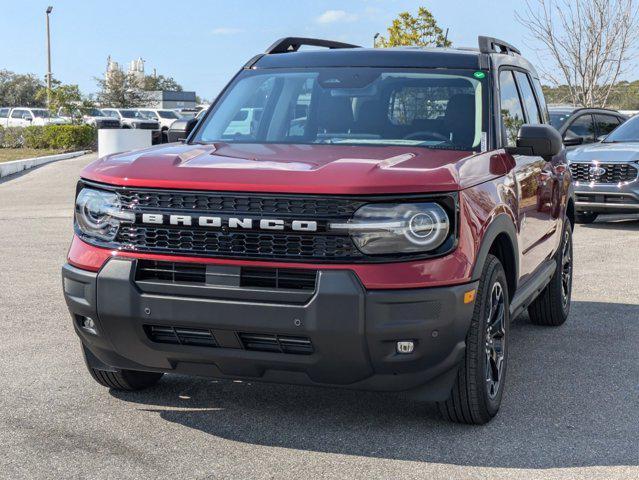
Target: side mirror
[(571, 140), (538, 141), (181, 129)]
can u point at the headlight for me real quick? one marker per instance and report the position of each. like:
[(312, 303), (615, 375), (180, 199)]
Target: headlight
[(98, 214), (397, 228)]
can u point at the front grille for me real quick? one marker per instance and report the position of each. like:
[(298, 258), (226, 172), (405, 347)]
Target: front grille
[(248, 204), (276, 343), (108, 124), (236, 244), (148, 126), (614, 172)]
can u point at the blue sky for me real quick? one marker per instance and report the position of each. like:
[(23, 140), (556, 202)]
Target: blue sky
[(202, 43)]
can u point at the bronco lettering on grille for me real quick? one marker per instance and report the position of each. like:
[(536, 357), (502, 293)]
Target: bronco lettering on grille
[(234, 223)]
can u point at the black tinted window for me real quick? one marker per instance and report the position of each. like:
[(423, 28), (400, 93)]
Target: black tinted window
[(528, 97), (512, 112), (582, 127), (606, 124)]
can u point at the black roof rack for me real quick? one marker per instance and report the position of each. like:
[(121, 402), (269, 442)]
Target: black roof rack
[(293, 44), (494, 45)]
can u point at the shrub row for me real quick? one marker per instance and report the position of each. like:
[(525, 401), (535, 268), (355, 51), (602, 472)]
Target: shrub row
[(59, 137)]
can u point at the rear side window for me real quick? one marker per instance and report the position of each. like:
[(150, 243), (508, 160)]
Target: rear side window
[(528, 97), (4, 112), (17, 114), (606, 124), (582, 127), (512, 112)]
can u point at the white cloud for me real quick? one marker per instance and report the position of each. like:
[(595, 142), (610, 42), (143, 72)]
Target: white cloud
[(332, 16), (226, 31)]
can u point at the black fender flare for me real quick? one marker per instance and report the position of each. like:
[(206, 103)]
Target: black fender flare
[(502, 223)]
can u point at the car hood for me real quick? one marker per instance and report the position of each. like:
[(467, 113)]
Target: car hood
[(328, 169), (606, 153)]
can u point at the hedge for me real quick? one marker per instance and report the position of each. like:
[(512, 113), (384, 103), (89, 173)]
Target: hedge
[(58, 137)]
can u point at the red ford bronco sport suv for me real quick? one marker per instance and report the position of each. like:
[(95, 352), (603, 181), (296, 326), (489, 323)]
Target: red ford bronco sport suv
[(375, 226)]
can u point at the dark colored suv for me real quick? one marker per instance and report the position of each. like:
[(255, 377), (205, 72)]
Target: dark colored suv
[(375, 226), (582, 126)]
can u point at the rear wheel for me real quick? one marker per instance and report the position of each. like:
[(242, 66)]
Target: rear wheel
[(127, 380), (552, 306), (476, 395), (586, 217)]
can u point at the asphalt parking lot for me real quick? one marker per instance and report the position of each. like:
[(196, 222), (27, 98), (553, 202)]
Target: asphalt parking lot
[(570, 411)]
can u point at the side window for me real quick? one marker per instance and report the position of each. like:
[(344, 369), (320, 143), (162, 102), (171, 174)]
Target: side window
[(512, 112), (4, 112), (541, 100), (17, 113), (582, 127), (605, 124), (528, 97)]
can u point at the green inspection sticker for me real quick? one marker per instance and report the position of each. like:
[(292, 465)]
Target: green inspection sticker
[(479, 75)]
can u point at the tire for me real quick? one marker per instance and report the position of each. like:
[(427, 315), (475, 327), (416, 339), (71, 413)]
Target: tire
[(552, 306), (479, 386), (126, 380), (586, 217)]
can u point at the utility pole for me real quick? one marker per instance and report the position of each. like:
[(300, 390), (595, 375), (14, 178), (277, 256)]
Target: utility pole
[(49, 10)]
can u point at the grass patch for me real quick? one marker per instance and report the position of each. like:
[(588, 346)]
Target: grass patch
[(8, 154)]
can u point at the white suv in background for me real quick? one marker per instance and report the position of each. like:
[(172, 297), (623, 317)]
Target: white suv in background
[(24, 117)]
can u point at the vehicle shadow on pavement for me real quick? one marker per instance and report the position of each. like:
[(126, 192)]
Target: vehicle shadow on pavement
[(572, 400)]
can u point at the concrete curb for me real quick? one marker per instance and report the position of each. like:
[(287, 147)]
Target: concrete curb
[(16, 166)]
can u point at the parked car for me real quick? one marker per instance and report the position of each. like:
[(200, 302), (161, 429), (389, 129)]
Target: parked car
[(581, 126), (606, 174), (385, 246), (25, 116), (164, 117), (187, 112), (4, 116), (131, 118), (92, 116)]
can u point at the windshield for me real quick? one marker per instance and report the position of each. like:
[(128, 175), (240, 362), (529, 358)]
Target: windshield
[(130, 114), (557, 119), (41, 113), (426, 108), (168, 114), (626, 132)]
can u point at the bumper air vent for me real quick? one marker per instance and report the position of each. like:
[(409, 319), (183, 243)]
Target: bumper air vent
[(276, 278), (276, 343), (181, 336), (171, 271)]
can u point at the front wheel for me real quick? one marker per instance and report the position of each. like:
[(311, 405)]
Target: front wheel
[(552, 306), (476, 395)]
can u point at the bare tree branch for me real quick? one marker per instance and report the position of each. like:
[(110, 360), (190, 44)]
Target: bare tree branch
[(590, 43)]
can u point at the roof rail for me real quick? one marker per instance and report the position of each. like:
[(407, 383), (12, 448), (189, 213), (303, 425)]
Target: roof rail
[(293, 44), (494, 45)]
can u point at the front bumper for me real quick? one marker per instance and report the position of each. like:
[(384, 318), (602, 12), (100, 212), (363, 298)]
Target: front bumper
[(607, 198), (353, 331)]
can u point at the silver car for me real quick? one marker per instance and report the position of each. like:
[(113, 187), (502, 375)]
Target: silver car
[(605, 174)]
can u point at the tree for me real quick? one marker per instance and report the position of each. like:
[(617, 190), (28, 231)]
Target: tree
[(121, 90), (17, 90), (589, 42), (65, 96), (154, 83), (422, 30)]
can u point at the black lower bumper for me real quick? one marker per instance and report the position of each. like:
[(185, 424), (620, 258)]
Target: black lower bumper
[(352, 332)]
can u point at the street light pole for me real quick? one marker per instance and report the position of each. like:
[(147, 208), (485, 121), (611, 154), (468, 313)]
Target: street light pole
[(49, 10), (375, 40)]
